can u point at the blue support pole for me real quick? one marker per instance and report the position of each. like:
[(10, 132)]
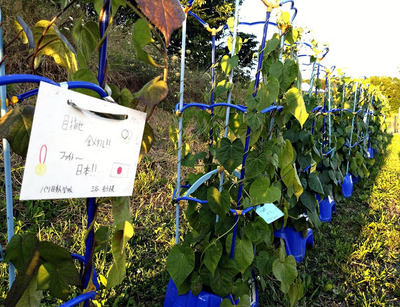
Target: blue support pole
[(324, 117), (260, 59), (233, 52), (316, 97), (311, 82), (104, 22), (358, 130), (281, 47), (91, 202), (7, 160), (316, 87), (212, 98), (229, 100), (180, 127), (272, 120), (343, 94), (329, 114), (352, 127), (247, 141), (367, 136)]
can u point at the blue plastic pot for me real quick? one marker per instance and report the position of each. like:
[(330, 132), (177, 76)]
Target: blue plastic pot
[(203, 299), (355, 179), (371, 152), (347, 186), (295, 243), (326, 206)]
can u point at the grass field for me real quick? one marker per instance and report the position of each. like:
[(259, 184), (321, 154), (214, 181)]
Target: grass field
[(355, 261)]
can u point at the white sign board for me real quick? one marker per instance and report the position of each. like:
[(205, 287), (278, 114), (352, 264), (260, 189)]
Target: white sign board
[(75, 153)]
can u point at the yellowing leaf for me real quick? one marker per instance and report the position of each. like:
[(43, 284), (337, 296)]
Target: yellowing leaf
[(228, 63), (118, 269), (296, 105), (167, 15), (238, 44), (231, 23), (128, 231), (153, 92), (55, 45), (292, 181), (26, 33), (31, 296), (22, 35), (286, 155), (219, 202), (222, 87), (147, 140)]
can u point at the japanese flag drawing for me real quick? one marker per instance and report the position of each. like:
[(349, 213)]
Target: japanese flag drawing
[(119, 170)]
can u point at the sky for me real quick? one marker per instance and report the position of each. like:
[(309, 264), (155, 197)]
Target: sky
[(362, 35)]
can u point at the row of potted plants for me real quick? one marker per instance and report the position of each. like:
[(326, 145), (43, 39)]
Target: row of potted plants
[(274, 175)]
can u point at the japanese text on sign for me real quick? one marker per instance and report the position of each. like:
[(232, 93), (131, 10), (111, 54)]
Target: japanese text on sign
[(74, 152)]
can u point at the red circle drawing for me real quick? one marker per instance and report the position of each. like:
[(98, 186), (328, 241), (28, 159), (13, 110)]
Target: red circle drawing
[(119, 170)]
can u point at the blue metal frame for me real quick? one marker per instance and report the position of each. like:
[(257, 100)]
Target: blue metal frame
[(91, 202), (6, 157)]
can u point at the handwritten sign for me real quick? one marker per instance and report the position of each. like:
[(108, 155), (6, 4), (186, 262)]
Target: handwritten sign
[(269, 212), (81, 146)]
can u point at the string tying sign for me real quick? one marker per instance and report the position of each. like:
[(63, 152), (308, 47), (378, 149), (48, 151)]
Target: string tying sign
[(80, 147)]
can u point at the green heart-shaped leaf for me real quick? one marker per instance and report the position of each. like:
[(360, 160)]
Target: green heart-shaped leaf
[(230, 154), (219, 202), (180, 263)]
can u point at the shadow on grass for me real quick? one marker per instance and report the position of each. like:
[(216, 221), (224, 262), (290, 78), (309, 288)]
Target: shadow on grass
[(334, 273)]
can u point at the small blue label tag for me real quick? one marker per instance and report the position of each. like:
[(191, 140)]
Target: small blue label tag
[(269, 212)]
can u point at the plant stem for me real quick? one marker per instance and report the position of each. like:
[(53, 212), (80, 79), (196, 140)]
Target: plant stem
[(14, 39), (104, 37), (214, 241)]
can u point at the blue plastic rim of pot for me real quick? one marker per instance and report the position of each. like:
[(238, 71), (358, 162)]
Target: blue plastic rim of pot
[(347, 186), (203, 299)]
